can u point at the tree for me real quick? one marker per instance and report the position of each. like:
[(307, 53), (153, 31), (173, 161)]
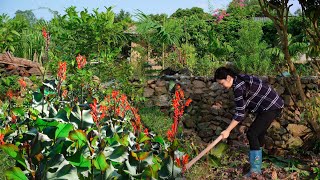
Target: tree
[(195, 11), (153, 32), (28, 15), (278, 12), (311, 16)]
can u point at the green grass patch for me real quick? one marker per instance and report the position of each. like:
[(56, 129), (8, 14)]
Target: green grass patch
[(155, 120)]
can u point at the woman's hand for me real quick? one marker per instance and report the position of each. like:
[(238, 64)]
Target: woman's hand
[(225, 134)]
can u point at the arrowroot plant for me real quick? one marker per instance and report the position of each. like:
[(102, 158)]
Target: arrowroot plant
[(53, 135)]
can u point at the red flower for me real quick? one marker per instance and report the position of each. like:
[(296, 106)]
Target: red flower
[(81, 61), (178, 162), (146, 131), (182, 162), (22, 83), (13, 118), (103, 110), (115, 94), (94, 111), (1, 139), (64, 93), (10, 93), (62, 71), (188, 102), (44, 33)]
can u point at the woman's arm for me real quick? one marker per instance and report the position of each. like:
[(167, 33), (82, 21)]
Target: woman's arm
[(225, 134)]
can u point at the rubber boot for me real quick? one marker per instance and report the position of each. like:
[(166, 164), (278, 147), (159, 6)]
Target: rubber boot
[(255, 158)]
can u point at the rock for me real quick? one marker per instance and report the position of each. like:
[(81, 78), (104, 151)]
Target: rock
[(288, 100), (207, 118), (275, 125), (279, 89), (162, 100), (151, 81), (161, 90), (298, 130), (148, 92), (153, 85), (205, 133), (198, 84), (189, 123), (198, 91), (294, 142), (268, 143), (160, 83), (203, 125), (215, 86)]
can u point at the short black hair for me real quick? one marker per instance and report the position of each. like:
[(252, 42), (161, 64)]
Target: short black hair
[(223, 72)]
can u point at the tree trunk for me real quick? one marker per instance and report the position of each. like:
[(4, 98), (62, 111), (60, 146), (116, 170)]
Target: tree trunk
[(162, 55), (285, 48)]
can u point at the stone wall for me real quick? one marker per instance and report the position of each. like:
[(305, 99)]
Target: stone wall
[(286, 132)]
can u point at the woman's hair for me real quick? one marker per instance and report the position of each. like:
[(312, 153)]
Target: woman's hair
[(223, 72)]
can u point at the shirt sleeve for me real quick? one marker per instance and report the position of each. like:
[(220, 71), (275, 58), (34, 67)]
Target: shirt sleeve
[(239, 101)]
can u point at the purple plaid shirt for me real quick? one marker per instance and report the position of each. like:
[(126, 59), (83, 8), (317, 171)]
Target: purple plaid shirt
[(250, 93)]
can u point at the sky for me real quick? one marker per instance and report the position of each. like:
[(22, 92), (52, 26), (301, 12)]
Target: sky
[(9, 7)]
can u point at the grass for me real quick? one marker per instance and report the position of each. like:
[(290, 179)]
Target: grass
[(155, 120), (5, 163)]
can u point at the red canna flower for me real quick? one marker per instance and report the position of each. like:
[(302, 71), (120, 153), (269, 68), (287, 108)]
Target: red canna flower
[(10, 94), (81, 61), (62, 71), (146, 131), (182, 162), (1, 139), (64, 93), (185, 159), (94, 111), (115, 94), (44, 33), (178, 162), (13, 118), (188, 102), (103, 110), (22, 83)]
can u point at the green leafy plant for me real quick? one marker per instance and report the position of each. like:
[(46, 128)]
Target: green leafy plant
[(251, 55)]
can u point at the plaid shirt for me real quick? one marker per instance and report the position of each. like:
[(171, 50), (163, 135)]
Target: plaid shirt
[(250, 93)]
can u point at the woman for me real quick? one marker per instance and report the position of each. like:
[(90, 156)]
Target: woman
[(251, 94)]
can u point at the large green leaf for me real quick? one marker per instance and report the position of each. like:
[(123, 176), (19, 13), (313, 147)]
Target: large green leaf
[(79, 160), (59, 168), (37, 97), (142, 138), (63, 130), (119, 154), (132, 168), (100, 162), (15, 173), (219, 150), (45, 122), (140, 156), (79, 137), (149, 172), (166, 170), (13, 151), (62, 115), (159, 139), (18, 111), (81, 121)]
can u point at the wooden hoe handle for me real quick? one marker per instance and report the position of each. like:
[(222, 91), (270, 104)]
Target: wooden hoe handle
[(194, 160)]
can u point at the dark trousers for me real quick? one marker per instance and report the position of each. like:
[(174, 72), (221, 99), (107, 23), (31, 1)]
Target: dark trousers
[(258, 129)]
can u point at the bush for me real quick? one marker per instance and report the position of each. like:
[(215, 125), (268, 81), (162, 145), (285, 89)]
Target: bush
[(251, 54)]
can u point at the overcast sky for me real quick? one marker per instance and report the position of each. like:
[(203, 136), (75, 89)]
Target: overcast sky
[(147, 6)]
